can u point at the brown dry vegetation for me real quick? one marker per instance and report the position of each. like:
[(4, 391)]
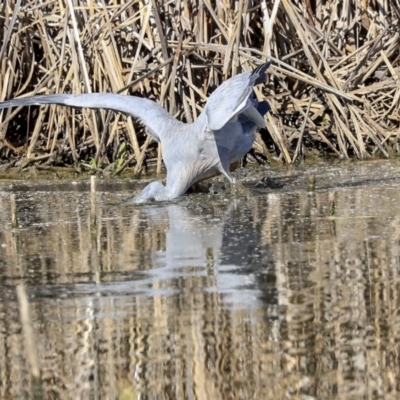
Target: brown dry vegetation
[(334, 86)]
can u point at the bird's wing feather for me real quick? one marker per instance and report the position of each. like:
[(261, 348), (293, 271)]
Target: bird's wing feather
[(155, 118), (235, 139), (232, 98)]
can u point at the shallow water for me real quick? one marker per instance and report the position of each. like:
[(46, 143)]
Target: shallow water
[(287, 293)]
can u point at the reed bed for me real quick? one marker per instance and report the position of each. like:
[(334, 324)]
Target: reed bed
[(333, 87)]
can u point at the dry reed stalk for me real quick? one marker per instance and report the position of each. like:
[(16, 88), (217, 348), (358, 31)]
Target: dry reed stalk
[(299, 143), (176, 53)]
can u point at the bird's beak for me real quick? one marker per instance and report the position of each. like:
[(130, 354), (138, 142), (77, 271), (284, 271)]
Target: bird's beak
[(252, 114)]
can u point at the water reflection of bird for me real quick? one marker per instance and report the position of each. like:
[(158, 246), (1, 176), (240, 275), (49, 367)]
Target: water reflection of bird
[(221, 241), (223, 133)]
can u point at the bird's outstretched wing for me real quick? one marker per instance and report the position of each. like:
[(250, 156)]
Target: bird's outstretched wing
[(232, 98), (158, 121)]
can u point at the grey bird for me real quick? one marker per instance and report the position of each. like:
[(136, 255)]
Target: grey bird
[(222, 134)]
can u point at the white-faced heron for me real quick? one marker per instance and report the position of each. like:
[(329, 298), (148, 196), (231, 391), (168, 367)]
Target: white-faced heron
[(222, 134)]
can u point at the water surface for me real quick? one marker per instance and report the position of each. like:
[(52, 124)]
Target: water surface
[(287, 293)]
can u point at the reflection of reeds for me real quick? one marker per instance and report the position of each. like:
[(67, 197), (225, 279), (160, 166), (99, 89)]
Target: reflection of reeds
[(14, 217), (27, 332), (335, 78)]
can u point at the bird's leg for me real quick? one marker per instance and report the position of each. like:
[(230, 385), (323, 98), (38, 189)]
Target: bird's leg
[(236, 186)]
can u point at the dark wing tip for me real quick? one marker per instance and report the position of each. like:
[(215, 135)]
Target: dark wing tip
[(263, 107), (259, 73)]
